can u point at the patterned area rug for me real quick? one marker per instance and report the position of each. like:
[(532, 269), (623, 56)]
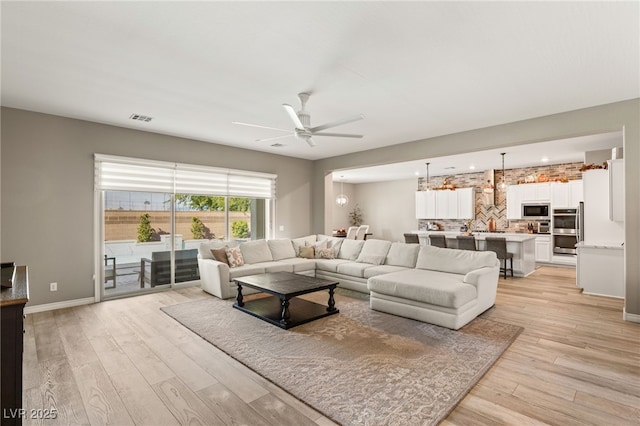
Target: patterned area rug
[(359, 367)]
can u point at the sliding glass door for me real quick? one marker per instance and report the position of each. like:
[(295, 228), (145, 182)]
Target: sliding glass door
[(153, 216)]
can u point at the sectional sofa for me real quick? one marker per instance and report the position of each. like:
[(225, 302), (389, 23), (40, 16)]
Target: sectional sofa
[(446, 287)]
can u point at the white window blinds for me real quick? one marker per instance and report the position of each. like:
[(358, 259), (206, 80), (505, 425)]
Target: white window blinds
[(129, 174)]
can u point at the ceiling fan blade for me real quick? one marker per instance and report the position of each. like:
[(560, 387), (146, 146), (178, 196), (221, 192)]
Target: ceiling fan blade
[(294, 116), (274, 138), (310, 141), (337, 123), (260, 127), (340, 135)]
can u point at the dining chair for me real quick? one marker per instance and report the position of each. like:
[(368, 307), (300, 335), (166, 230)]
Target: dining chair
[(351, 233), (362, 232), (438, 240), (499, 246), (411, 238), (466, 242)]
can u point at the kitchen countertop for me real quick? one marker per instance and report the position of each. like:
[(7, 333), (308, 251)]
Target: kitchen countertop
[(601, 245), (510, 236)]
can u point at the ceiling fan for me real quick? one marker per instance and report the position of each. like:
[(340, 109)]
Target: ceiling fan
[(302, 124)]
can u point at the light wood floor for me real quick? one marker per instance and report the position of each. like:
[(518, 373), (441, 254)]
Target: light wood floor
[(125, 362)]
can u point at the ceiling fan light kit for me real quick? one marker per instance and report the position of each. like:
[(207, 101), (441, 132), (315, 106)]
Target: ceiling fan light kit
[(302, 124)]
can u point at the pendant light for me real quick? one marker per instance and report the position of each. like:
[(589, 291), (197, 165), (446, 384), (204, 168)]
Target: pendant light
[(342, 200), (428, 182), (503, 181)]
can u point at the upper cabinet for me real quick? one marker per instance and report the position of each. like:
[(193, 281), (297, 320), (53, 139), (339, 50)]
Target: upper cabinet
[(425, 204), (514, 211), (466, 203), (616, 190), (445, 204), (525, 193), (566, 195), (535, 192)]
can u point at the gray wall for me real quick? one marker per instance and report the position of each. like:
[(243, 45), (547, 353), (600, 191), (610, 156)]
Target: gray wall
[(47, 191), (389, 208), (605, 118)]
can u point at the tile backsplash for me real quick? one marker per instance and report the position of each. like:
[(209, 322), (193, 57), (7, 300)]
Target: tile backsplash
[(497, 211)]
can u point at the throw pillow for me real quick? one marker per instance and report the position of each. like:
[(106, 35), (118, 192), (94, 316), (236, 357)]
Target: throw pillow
[(307, 252), (325, 253), (220, 255), (235, 256)]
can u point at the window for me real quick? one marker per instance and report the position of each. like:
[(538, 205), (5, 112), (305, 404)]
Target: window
[(154, 215)]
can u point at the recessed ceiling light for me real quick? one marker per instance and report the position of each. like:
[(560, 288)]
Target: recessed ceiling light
[(417, 173), (472, 167), (545, 159)]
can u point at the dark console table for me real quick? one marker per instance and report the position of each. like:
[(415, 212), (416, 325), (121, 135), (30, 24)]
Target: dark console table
[(12, 301)]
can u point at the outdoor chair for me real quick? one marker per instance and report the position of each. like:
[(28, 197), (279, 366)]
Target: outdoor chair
[(157, 270)]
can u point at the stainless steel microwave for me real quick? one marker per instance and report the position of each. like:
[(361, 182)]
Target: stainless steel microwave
[(535, 211)]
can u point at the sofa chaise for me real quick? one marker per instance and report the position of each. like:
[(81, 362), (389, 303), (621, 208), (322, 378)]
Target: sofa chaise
[(446, 287)]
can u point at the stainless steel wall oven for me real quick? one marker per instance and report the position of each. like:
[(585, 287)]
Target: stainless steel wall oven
[(565, 231)]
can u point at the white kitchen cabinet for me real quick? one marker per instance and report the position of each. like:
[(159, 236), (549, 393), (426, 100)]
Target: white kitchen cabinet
[(566, 195), (446, 204), (514, 209), (543, 248), (616, 190), (600, 269), (466, 203), (535, 192), (425, 205)]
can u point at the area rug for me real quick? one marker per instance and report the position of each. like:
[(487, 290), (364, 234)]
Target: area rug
[(359, 367)]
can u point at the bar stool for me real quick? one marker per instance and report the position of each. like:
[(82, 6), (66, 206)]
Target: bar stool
[(466, 242), (499, 245), (438, 240), (411, 239)]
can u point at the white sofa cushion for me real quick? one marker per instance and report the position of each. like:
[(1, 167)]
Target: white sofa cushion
[(204, 249), (303, 242), (244, 270), (300, 264), (330, 265), (332, 242), (432, 287), (281, 249), (354, 269), (453, 260), (382, 269), (350, 249), (401, 254), (374, 251), (271, 267), (256, 251)]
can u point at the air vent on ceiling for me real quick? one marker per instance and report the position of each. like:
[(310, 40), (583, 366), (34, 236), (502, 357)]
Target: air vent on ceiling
[(277, 145), (139, 117)]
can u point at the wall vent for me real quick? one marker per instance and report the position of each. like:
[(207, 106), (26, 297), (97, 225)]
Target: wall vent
[(139, 117)]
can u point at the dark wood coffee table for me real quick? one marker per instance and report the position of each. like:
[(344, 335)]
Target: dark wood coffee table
[(283, 308)]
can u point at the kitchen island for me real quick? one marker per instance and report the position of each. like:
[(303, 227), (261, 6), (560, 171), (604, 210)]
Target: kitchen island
[(521, 245)]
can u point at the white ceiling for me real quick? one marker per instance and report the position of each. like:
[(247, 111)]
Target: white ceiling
[(414, 69)]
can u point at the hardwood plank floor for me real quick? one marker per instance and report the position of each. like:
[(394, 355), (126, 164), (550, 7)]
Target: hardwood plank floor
[(125, 362)]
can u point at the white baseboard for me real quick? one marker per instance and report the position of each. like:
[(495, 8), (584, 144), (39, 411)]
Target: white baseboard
[(58, 305), (631, 317)]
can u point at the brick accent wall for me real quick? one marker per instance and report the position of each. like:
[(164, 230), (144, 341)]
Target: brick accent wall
[(498, 211), (123, 224)]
